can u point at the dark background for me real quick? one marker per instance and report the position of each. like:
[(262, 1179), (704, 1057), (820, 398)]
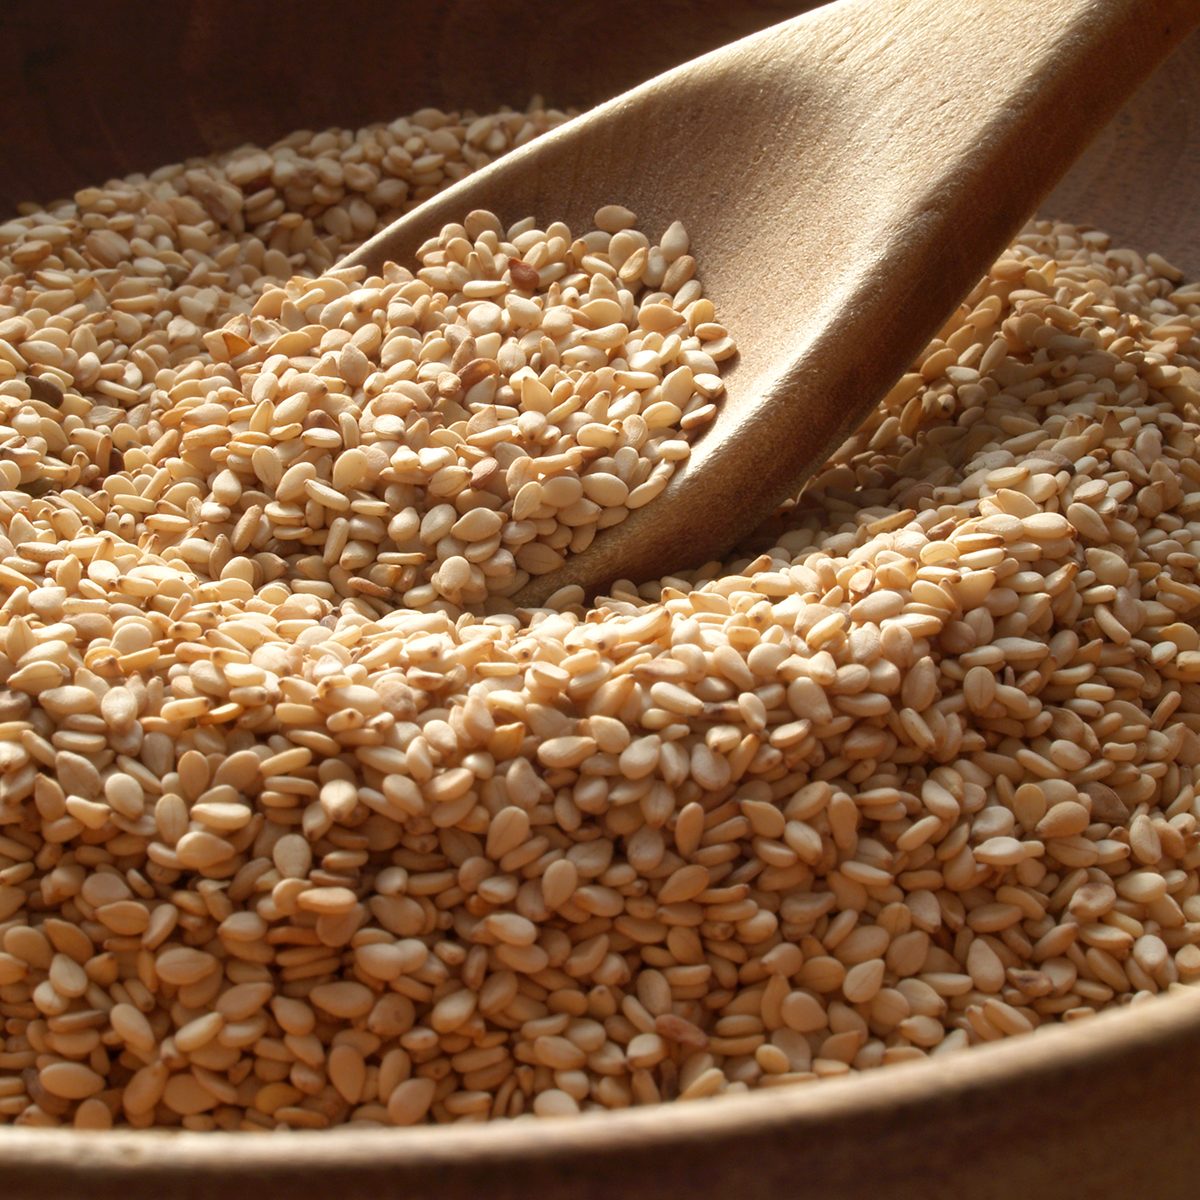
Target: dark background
[(103, 88)]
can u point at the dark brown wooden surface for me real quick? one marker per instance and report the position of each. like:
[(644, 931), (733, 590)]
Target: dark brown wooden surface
[(96, 90)]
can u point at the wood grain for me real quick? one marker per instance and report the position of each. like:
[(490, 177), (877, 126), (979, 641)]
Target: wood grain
[(94, 91), (1097, 1110), (1140, 178), (99, 90)]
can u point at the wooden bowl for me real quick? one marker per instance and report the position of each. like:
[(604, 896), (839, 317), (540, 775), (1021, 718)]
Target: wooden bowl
[(1101, 1108)]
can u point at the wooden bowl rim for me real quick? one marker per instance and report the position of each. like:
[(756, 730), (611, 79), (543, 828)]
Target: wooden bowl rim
[(1091, 1044)]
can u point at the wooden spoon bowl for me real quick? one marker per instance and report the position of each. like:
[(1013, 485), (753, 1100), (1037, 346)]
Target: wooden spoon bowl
[(843, 188), (1101, 1108)]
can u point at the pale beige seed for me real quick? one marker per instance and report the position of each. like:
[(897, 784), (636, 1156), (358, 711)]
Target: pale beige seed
[(344, 999), (347, 1072), (559, 883), (390, 960), (125, 794), (285, 761), (93, 1114), (863, 981), (182, 965), (339, 798), (554, 1102), (613, 217), (1001, 851), (67, 701), (685, 884), (559, 1053), (243, 999), (350, 469), (1065, 819), (452, 1011), (198, 1032), (566, 751), (674, 1028), (243, 927), (645, 1051), (292, 856), (294, 1016), (332, 901), (199, 850), (410, 1101), (185, 1095), (132, 1027), (145, 1089), (70, 1080), (803, 1013), (512, 929), (67, 976)]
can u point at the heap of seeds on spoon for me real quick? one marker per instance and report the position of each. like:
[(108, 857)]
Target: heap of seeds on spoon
[(301, 823)]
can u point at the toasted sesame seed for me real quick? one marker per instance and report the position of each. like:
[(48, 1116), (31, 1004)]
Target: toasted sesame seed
[(410, 1101), (70, 1080), (345, 999)]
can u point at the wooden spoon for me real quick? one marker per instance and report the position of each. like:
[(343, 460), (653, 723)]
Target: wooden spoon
[(846, 177)]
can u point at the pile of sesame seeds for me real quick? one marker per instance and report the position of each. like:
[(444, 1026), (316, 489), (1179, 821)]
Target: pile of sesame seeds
[(915, 770), (437, 437)]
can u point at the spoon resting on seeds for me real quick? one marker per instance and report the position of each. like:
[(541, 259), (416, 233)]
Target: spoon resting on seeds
[(844, 177)]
